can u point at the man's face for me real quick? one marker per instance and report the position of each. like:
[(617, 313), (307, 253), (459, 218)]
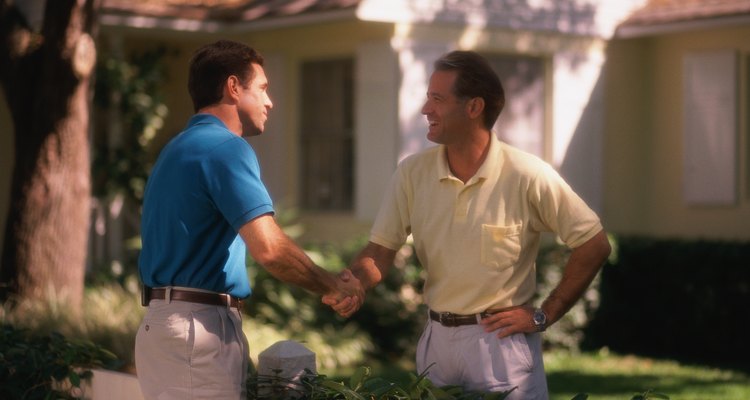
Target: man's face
[(254, 103), (446, 113)]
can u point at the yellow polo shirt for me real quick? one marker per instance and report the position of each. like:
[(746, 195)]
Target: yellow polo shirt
[(479, 241)]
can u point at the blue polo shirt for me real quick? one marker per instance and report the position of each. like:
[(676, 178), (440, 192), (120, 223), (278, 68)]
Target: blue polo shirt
[(204, 186)]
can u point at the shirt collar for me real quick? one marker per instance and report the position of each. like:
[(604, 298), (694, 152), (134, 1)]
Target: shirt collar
[(492, 163), (204, 118)]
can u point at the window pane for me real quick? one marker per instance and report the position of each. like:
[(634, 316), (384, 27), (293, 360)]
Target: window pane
[(326, 135)]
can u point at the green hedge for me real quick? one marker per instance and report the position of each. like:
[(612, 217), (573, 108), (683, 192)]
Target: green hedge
[(684, 300), (46, 366)]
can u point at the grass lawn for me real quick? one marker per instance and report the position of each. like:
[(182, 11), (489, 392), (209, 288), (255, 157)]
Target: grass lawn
[(606, 376)]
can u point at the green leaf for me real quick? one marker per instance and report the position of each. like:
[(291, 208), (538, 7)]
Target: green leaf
[(358, 378)]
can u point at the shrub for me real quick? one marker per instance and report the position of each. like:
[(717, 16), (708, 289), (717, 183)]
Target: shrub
[(568, 332), (394, 307), (45, 367), (360, 386), (675, 298)]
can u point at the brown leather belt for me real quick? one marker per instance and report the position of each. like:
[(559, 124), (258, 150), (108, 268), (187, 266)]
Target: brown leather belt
[(451, 320), (214, 299)]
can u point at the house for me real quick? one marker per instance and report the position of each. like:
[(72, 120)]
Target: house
[(677, 143), (605, 91)]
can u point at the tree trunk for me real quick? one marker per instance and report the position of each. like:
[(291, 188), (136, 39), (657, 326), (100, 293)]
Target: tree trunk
[(46, 77)]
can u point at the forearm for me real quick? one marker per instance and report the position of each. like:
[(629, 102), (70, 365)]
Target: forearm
[(582, 266), (290, 264), (283, 259), (372, 264)]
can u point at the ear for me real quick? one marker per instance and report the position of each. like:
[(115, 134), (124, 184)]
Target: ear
[(475, 107), (232, 88)]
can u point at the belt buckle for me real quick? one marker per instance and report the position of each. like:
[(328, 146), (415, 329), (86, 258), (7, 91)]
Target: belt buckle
[(227, 299), (447, 319)]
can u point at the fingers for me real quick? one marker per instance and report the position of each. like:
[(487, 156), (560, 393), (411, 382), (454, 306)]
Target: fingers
[(346, 307), (348, 296), (507, 323), (346, 275)]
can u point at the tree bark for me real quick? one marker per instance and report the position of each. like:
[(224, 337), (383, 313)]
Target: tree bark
[(45, 77)]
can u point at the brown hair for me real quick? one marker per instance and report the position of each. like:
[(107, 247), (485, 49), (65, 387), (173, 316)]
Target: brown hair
[(475, 78), (213, 63)]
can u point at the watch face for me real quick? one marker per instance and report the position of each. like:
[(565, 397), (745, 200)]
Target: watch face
[(539, 317)]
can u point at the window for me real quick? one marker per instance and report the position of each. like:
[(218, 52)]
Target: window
[(326, 135)]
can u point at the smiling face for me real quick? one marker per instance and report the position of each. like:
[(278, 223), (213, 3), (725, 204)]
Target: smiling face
[(446, 113), (254, 103)]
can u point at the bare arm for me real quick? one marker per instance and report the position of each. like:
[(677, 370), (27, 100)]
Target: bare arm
[(582, 266), (584, 263), (372, 264), (283, 259), (369, 267)]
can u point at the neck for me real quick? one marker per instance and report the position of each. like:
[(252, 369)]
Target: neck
[(227, 115), (465, 158)]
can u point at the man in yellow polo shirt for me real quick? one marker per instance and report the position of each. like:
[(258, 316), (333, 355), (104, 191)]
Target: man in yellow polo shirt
[(476, 208)]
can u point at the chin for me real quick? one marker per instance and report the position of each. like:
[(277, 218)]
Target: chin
[(253, 132)]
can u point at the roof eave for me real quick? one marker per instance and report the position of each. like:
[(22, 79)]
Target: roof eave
[(629, 31), (216, 26)]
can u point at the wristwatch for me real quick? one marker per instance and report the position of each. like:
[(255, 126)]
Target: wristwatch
[(540, 320)]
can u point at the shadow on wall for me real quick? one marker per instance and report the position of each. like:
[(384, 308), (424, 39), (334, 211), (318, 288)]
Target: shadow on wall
[(583, 163)]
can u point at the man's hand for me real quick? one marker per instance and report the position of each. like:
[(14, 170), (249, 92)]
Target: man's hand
[(349, 294), (515, 320)]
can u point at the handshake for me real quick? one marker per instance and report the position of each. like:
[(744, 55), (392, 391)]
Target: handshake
[(347, 296)]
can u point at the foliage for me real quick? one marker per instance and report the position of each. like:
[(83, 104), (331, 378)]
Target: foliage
[(693, 292), (129, 110), (568, 332), (110, 317), (360, 386), (363, 385), (46, 367), (394, 306), (129, 93)]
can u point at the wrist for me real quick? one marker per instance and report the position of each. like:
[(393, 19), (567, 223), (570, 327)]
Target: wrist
[(540, 320)]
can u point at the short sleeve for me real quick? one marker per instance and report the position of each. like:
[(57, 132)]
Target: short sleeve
[(560, 210), (392, 225), (233, 178)]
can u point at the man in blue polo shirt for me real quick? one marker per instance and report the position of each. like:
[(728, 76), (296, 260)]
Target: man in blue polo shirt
[(204, 206)]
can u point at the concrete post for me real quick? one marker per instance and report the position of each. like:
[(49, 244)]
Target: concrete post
[(281, 368)]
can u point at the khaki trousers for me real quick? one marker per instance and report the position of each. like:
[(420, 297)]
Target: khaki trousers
[(191, 351), (477, 360)]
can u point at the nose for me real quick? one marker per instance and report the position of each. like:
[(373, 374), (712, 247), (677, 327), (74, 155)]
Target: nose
[(269, 103), (426, 108)]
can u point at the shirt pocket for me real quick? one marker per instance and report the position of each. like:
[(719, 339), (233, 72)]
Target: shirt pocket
[(501, 245)]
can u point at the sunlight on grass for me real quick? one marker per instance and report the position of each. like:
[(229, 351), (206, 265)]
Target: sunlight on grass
[(607, 376)]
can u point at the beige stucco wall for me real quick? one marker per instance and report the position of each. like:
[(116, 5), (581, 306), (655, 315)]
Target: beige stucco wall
[(644, 141)]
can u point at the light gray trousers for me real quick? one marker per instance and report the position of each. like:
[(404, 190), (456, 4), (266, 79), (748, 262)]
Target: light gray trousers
[(191, 351), (477, 360)]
